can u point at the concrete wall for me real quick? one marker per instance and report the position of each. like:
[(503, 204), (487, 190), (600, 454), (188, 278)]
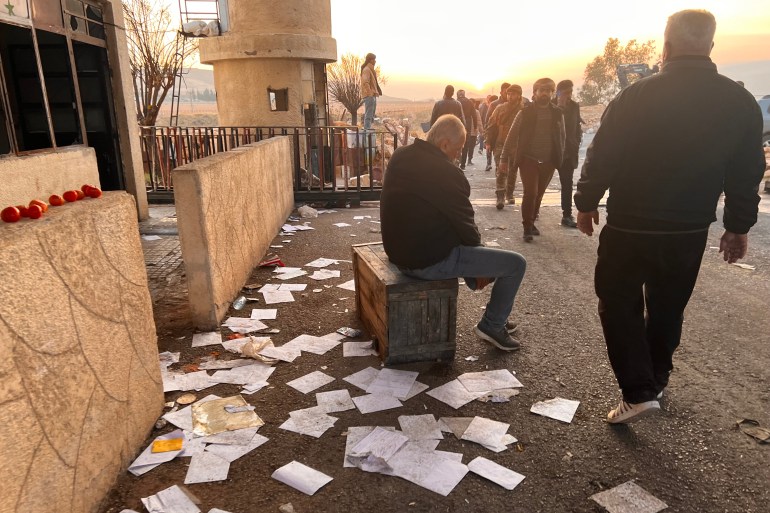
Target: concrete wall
[(41, 174), (229, 207), (80, 385)]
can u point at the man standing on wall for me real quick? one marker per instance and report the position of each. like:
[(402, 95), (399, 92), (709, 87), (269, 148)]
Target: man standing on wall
[(666, 160), (370, 89), (574, 135)]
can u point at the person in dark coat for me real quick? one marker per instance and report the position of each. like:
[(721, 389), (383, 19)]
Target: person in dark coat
[(447, 105), (574, 135)]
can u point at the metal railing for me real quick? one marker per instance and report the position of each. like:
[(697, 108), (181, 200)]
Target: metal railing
[(329, 162)]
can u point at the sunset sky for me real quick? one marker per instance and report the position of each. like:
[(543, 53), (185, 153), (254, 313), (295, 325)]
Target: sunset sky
[(422, 45)]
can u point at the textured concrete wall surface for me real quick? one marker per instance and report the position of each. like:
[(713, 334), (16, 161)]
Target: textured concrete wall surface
[(229, 207), (39, 175), (80, 385)]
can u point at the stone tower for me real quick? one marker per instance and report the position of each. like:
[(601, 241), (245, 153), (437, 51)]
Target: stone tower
[(269, 64)]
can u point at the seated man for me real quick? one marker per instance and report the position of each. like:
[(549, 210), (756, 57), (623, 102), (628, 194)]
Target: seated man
[(429, 232)]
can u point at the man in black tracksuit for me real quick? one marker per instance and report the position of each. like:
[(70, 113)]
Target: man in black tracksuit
[(667, 148)]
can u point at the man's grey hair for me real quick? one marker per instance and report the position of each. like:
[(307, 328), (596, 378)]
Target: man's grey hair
[(691, 32), (446, 128)]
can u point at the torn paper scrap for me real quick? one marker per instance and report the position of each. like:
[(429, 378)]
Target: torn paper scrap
[(348, 285), (148, 459), (486, 432), (301, 477), (427, 469), (206, 339), (502, 395), (321, 262), (498, 474), (363, 378), (375, 402), (488, 380), (341, 225), (335, 400), (264, 313), (358, 348), (207, 467), (230, 453), (174, 499), (558, 408), (394, 382), (310, 382), (420, 427), (628, 498), (278, 296), (372, 453), (454, 394), (355, 435), (324, 274), (211, 417), (455, 425)]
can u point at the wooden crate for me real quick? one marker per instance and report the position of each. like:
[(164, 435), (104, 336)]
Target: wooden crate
[(412, 320)]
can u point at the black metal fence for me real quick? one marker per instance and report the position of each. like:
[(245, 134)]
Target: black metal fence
[(329, 162)]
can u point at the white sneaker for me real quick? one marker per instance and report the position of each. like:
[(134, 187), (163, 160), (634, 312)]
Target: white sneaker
[(660, 394), (627, 412)]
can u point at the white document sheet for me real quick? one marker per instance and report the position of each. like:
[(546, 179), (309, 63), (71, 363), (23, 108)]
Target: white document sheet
[(348, 285), (335, 400), (376, 402), (454, 394), (301, 477), (427, 469), (290, 276), (284, 270), (248, 374), (279, 296), (487, 432), (237, 437), (310, 382), (321, 262), (489, 380), (454, 425), (363, 378), (420, 427), (358, 348), (309, 421), (558, 408), (324, 274), (207, 467), (283, 353), (311, 344), (355, 435), (371, 453), (396, 383), (148, 460), (244, 324), (206, 339), (341, 225), (498, 474), (230, 453), (264, 313), (171, 499), (454, 456), (628, 498), (417, 388)]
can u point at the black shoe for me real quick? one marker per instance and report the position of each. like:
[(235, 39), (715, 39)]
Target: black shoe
[(470, 162), (534, 230), (568, 221), (489, 168), (528, 235), (500, 339), (511, 326), (462, 166)]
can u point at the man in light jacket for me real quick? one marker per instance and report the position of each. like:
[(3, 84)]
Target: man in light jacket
[(370, 89)]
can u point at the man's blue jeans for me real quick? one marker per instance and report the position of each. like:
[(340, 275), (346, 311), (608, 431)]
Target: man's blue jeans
[(471, 262), (370, 104)]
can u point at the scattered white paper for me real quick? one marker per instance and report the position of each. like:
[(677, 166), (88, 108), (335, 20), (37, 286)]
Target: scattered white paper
[(224, 364), (358, 349), (454, 394), (283, 353), (488, 380), (371, 453), (264, 313), (427, 469), (291, 287), (375, 402), (236, 437), (355, 435), (417, 388), (301, 477), (324, 274), (150, 237), (310, 382), (171, 499), (291, 275), (230, 453), (629, 498), (248, 374), (206, 339), (472, 358), (309, 421), (487, 432), (498, 474), (396, 383), (454, 425), (207, 467), (311, 344), (558, 408), (341, 225), (335, 400), (748, 267), (321, 262), (244, 325), (279, 296), (492, 244), (420, 427), (348, 285), (363, 378), (148, 460)]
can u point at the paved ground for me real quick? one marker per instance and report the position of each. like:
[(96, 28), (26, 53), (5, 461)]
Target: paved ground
[(690, 455)]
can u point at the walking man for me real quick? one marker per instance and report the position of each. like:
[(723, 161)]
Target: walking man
[(574, 135), (470, 128), (666, 159), (447, 105), (429, 232), (370, 89), (535, 144), (499, 126)]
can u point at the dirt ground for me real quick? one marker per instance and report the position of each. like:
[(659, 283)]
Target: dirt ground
[(690, 455)]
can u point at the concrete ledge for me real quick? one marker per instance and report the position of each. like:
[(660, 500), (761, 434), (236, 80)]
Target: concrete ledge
[(39, 175), (267, 46), (80, 385), (229, 207)]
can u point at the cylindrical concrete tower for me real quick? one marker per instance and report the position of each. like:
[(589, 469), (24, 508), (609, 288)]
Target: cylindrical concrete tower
[(269, 65)]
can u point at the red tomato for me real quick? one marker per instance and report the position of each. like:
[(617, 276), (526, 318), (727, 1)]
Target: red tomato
[(42, 204), (70, 196), (35, 212), (85, 188), (56, 200), (80, 194), (23, 210), (94, 192), (10, 215)]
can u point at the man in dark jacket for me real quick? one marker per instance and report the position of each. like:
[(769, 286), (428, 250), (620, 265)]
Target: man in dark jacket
[(574, 135), (429, 232), (666, 160), (447, 105), (535, 143), (470, 128)]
